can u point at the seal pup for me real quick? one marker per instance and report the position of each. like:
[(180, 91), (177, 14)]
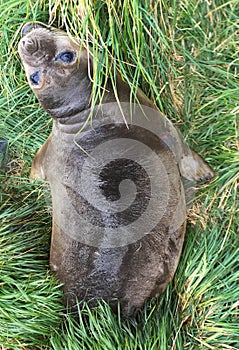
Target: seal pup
[(106, 245)]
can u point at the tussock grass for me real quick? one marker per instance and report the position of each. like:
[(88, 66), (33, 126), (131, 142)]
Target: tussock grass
[(184, 55)]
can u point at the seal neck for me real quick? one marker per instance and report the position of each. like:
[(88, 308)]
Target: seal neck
[(73, 124), (69, 102)]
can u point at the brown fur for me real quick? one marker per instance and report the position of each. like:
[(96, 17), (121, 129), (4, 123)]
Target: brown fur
[(127, 273)]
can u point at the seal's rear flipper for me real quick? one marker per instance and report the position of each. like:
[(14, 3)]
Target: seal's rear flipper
[(193, 168)]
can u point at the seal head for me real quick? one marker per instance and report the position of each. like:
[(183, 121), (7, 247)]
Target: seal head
[(56, 69)]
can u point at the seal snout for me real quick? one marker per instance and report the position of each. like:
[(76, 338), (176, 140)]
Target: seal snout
[(29, 46)]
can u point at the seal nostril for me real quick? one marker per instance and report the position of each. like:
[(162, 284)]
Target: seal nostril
[(35, 78), (27, 43)]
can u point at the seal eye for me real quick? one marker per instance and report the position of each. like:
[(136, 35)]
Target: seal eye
[(35, 78), (66, 57)]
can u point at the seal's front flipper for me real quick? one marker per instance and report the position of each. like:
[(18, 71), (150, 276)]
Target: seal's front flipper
[(37, 169), (193, 168)]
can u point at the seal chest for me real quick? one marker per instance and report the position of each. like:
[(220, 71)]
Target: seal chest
[(119, 207)]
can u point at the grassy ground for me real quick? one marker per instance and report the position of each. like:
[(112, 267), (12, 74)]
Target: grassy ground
[(184, 55)]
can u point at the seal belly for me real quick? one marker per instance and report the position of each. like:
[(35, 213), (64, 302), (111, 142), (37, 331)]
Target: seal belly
[(103, 267), (128, 275)]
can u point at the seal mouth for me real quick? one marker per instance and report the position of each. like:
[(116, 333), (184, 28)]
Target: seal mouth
[(27, 28)]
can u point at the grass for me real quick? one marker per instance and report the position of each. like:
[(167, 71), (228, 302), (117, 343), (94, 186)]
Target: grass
[(184, 55)]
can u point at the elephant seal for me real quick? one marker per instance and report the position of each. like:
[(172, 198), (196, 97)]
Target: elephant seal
[(119, 210)]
